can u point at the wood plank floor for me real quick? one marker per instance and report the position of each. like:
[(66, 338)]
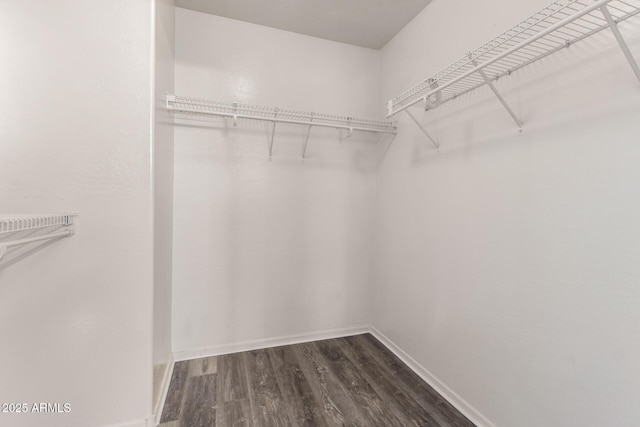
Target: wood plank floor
[(353, 381)]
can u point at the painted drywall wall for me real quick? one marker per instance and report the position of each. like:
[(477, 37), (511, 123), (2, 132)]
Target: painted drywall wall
[(507, 265), (266, 249), (163, 193), (75, 315)]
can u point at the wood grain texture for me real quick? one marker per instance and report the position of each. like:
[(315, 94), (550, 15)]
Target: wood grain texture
[(338, 406), (374, 409), (268, 407), (232, 378), (236, 413), (199, 407), (353, 381), (409, 412), (173, 402), (204, 366), (302, 404), (414, 386)]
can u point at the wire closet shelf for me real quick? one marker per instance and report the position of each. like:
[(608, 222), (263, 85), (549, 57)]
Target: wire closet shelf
[(555, 27), (197, 106), (187, 107), (63, 225)]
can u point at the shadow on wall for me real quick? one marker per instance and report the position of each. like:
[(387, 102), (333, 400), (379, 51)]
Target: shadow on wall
[(474, 143)]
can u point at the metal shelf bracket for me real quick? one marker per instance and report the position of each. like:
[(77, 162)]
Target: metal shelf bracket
[(557, 26), (497, 94), (27, 223), (306, 139), (349, 130), (384, 152), (433, 141), (4, 247), (623, 45), (273, 132), (235, 114), (432, 103), (194, 108)]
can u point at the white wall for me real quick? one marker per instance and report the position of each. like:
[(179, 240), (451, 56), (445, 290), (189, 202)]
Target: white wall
[(163, 192), (75, 315), (266, 249), (508, 265)]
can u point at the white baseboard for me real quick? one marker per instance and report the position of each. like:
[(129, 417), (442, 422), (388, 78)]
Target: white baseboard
[(166, 379), (451, 396), (267, 342)]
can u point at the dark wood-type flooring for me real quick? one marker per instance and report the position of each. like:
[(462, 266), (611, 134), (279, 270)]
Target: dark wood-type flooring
[(354, 381)]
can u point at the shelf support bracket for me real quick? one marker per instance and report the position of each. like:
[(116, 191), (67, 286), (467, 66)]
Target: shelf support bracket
[(433, 103), (349, 130), (621, 42), (497, 94), (171, 99), (384, 153), (235, 114), (433, 141), (273, 133), (4, 247), (306, 139)]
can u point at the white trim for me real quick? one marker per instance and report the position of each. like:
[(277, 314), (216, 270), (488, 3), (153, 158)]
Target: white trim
[(166, 380), (451, 396), (267, 342)]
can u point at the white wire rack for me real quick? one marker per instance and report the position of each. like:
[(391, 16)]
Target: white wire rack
[(190, 107), (63, 225), (557, 26)]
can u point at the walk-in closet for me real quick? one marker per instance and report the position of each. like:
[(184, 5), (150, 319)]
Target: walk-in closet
[(319, 213)]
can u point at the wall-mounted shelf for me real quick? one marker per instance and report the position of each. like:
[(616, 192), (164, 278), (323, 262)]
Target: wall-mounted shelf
[(190, 107), (60, 225), (555, 27)]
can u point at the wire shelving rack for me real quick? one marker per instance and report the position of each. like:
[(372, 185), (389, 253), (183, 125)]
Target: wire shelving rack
[(63, 225), (189, 107), (557, 26)]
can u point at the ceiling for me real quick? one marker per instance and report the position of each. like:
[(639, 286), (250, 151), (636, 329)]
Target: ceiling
[(366, 23)]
